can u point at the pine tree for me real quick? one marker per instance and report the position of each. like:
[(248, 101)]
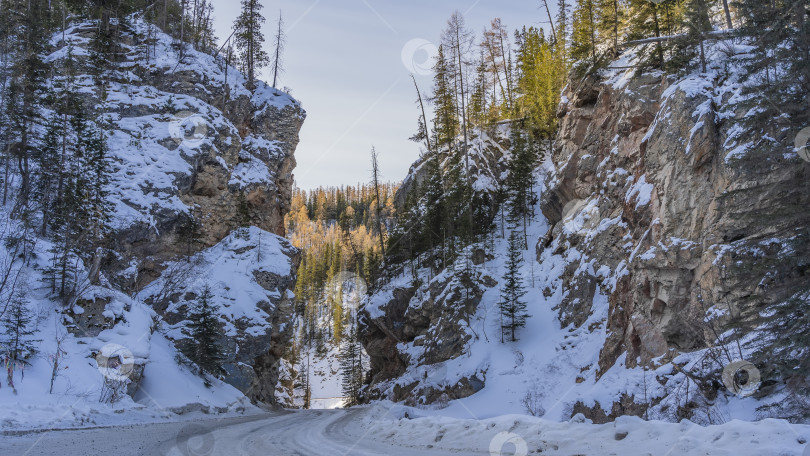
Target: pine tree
[(19, 345), (784, 354), (205, 329), (521, 180), (609, 18), (445, 122), (583, 40), (543, 71), (351, 368), (512, 306), (646, 20), (698, 24), (24, 91), (496, 59), (778, 69), (478, 98), (249, 39)]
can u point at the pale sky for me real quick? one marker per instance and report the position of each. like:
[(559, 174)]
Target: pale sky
[(345, 61)]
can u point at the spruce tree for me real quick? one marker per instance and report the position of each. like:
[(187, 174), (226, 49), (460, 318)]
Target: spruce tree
[(249, 39), (778, 66), (205, 329), (609, 17), (521, 180), (18, 343), (512, 307), (351, 368), (445, 122), (583, 40)]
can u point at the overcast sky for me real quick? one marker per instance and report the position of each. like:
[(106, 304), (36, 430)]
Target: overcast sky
[(348, 62)]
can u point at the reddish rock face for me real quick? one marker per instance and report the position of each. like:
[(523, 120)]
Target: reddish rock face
[(694, 230)]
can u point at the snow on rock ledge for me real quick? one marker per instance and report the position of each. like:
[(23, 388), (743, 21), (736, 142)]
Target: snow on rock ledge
[(187, 137), (251, 274)]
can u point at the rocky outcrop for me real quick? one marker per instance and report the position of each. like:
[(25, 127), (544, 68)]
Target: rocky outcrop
[(674, 223), (488, 153), (410, 329), (195, 153), (255, 307), (190, 145)]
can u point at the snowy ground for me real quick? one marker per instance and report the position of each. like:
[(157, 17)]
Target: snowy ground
[(383, 429)]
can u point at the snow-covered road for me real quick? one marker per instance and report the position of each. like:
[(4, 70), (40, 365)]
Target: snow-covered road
[(309, 433), (385, 430)]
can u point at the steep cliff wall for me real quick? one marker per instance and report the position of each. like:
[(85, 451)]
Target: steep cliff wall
[(188, 140), (690, 223), (194, 154), (666, 232)]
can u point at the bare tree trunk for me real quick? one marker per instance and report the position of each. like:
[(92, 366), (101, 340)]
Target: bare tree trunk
[(728, 14), (551, 22), (659, 48), (464, 125), (424, 118), (376, 176), (279, 41)]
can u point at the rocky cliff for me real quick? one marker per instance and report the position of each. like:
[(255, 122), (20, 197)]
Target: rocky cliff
[(195, 154), (666, 232), (189, 141), (687, 224)]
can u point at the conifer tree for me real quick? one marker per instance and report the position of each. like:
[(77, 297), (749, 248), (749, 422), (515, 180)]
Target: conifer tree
[(249, 39), (205, 329), (478, 98), (521, 180), (351, 368), (512, 307), (445, 123), (778, 69), (583, 41), (18, 343), (609, 17)]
